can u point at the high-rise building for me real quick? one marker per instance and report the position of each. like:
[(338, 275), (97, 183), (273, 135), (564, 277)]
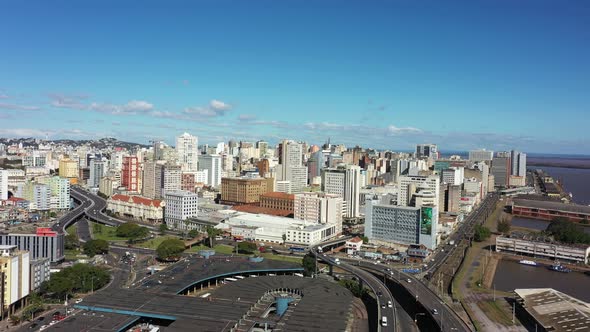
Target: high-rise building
[(153, 177), (130, 174), (44, 243), (180, 206), (427, 151), (481, 155), (3, 185), (60, 192), (344, 181), (406, 225), (262, 148), (68, 168), (518, 161), (245, 190), (97, 171), (15, 271), (211, 163), (409, 185), (172, 178), (501, 169), (291, 165), (187, 148), (453, 175), (320, 208)]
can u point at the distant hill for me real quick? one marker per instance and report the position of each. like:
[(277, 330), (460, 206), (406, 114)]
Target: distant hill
[(98, 144)]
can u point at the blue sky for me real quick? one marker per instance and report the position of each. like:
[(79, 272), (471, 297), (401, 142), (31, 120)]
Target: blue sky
[(382, 74)]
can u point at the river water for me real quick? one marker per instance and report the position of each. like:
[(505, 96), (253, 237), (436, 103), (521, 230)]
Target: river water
[(575, 180), (511, 275)]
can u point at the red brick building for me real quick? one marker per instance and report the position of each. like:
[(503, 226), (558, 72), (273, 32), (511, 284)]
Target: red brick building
[(130, 174)]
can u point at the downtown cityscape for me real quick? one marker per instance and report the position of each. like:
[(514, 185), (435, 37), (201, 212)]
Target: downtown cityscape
[(287, 166)]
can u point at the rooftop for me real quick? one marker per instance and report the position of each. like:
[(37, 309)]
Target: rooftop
[(137, 200), (552, 205), (276, 194), (261, 210), (554, 310)]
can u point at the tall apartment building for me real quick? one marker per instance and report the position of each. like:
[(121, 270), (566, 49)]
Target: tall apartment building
[(68, 168), (130, 174), (320, 208), (518, 163), (3, 185), (211, 163), (344, 181), (406, 225), (453, 175), (35, 159), (97, 171), (59, 189), (481, 155), (408, 186), (262, 148), (501, 169), (290, 166), (172, 178), (427, 151), (153, 177), (187, 148), (15, 272), (245, 190), (180, 206)]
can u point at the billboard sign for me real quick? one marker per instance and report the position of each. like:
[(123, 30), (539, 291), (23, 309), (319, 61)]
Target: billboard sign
[(426, 221)]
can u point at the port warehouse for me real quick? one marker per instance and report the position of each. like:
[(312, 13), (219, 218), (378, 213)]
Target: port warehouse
[(548, 210), (519, 245)]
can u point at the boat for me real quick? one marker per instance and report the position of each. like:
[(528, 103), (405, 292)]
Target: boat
[(559, 268), (527, 262)]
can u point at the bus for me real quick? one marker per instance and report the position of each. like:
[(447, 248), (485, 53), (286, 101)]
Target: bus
[(205, 295), (297, 249), (240, 277), (298, 275), (231, 279)]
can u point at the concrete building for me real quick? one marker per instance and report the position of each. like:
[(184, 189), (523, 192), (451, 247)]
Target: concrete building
[(408, 186), (518, 163), (3, 185), (554, 251), (130, 174), (244, 190), (172, 178), (481, 155), (108, 185), (277, 201), (472, 185), (290, 166), (187, 149), (453, 176), (310, 235), (15, 272), (427, 151), (180, 206), (320, 208), (548, 210), (211, 163), (501, 169), (153, 177), (453, 199), (60, 192), (45, 243), (344, 181), (137, 207), (97, 171), (390, 224), (16, 177), (68, 168), (40, 270)]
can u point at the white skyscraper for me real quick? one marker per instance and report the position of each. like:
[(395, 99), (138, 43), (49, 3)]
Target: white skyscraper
[(188, 152), (291, 166), (212, 163), (172, 179), (3, 184), (180, 205), (344, 181), (453, 175), (408, 186)]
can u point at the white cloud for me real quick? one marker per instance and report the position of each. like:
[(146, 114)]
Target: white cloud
[(15, 107), (214, 109), (393, 130), (21, 132), (246, 117), (3, 96), (131, 108)]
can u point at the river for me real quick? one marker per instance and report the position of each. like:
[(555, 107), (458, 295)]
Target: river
[(511, 275), (575, 180)]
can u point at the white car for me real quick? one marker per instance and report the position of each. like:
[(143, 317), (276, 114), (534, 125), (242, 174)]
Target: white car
[(389, 304), (409, 280)]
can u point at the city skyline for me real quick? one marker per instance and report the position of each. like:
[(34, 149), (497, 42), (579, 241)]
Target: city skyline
[(463, 75)]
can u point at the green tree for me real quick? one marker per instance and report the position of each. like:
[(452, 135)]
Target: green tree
[(212, 232), (77, 278), (284, 237), (309, 264), (246, 247), (193, 233), (504, 226), (96, 247), (354, 287), (565, 231), (132, 231), (170, 249), (163, 228), (71, 241), (482, 233), (52, 214), (365, 239)]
